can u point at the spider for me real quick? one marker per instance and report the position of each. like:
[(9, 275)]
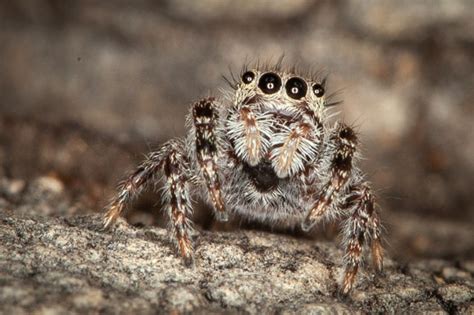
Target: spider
[(267, 153)]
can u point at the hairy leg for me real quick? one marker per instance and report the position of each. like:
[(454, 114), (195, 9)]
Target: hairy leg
[(131, 187), (205, 118), (172, 160), (362, 224), (176, 195), (344, 141)]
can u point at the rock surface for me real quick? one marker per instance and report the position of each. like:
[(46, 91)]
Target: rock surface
[(128, 72), (57, 265)]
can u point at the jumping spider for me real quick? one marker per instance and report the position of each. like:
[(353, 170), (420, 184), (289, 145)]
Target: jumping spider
[(265, 152)]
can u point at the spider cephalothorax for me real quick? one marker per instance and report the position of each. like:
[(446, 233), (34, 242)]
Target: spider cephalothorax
[(266, 153)]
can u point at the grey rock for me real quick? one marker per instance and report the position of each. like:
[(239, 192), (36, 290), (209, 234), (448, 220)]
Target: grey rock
[(456, 293), (57, 264)]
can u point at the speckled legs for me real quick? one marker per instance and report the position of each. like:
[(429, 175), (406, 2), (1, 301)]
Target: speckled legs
[(362, 224)]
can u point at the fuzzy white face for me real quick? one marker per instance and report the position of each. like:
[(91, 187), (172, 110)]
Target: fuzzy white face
[(274, 130), (276, 119)]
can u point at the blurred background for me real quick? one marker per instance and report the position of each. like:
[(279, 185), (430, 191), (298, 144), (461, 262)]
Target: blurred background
[(88, 87)]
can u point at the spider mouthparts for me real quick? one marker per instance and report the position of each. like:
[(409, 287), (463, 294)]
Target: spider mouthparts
[(263, 176)]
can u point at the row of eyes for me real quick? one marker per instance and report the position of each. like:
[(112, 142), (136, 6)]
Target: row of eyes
[(270, 83)]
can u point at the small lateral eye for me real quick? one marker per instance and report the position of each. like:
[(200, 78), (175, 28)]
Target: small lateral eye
[(296, 88), (269, 83), (318, 90), (248, 77)]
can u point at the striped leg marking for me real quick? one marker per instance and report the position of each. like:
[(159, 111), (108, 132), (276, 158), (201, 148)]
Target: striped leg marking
[(178, 201), (362, 225), (171, 159), (131, 187), (341, 168), (205, 118)]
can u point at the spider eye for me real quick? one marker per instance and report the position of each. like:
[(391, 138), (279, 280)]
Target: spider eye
[(248, 77), (318, 90), (296, 88), (269, 83)]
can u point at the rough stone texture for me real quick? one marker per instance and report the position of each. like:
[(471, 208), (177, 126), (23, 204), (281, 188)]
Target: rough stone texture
[(70, 264)]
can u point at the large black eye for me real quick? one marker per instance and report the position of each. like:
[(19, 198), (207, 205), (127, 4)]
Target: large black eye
[(269, 83), (296, 88), (318, 90), (248, 77)]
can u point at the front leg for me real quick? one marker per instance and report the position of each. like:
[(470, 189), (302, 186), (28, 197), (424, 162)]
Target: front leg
[(205, 119), (343, 145)]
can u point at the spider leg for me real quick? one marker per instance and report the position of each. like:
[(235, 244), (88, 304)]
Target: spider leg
[(340, 169), (205, 118), (177, 199), (132, 186), (293, 148), (172, 160), (362, 224)]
